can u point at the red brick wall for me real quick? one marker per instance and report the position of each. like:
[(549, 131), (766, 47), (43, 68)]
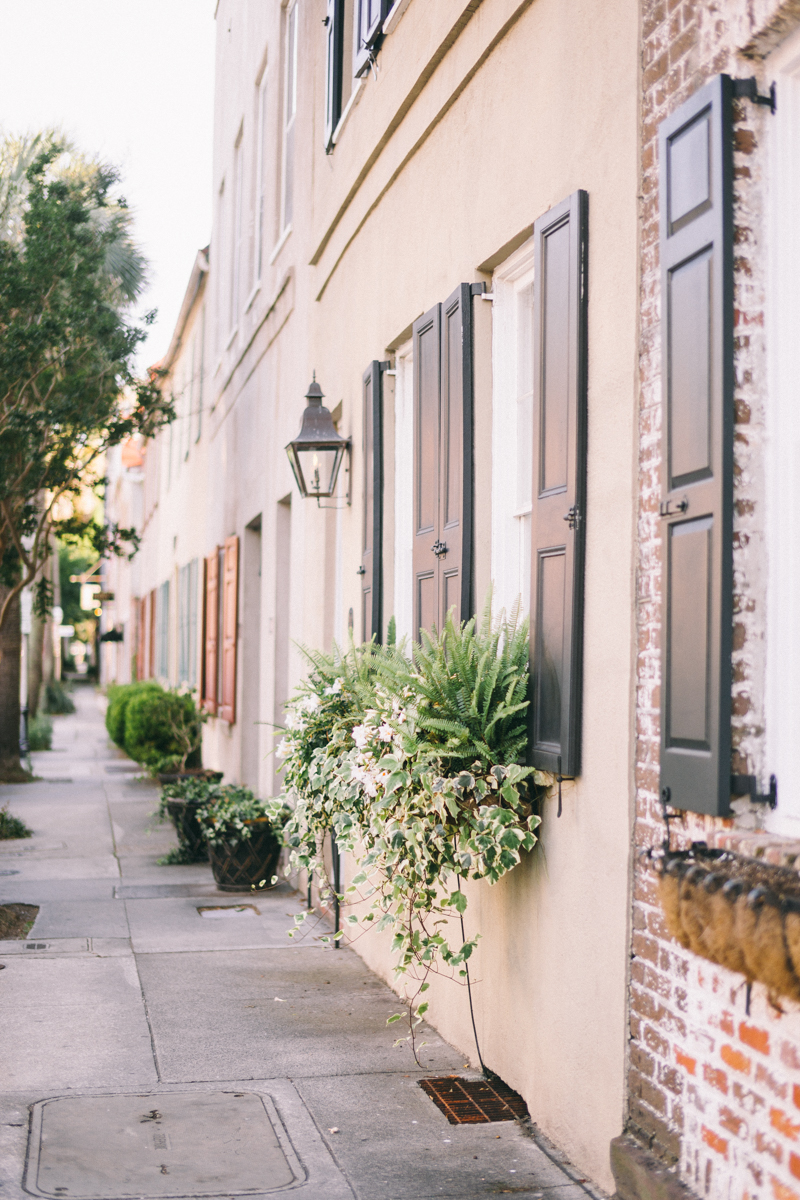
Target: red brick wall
[(708, 1085)]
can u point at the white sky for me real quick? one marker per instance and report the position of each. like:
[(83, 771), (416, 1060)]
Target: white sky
[(131, 81)]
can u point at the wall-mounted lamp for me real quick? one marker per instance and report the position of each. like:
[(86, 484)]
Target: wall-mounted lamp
[(317, 452)]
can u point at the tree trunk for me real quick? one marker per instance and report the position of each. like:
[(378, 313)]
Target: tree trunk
[(10, 647), (35, 663)]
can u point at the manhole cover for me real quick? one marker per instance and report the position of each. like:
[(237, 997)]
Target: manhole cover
[(195, 1144), (472, 1101)]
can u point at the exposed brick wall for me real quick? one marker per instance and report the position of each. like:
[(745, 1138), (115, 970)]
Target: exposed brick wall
[(699, 1091)]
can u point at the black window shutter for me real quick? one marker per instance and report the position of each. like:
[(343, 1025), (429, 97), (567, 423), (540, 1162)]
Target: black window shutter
[(370, 15), (334, 58), (372, 540), (443, 470), (696, 247), (558, 520)]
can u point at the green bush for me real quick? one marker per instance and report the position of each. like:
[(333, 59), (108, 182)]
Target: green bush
[(162, 730), (12, 827), (40, 733), (231, 812), (119, 696), (57, 699)]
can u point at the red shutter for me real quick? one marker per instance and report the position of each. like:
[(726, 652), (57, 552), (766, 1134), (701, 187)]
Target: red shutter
[(210, 618), (230, 618)]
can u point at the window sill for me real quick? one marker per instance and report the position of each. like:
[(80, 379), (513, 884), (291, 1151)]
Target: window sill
[(348, 108), (252, 296), (281, 243), (394, 16)]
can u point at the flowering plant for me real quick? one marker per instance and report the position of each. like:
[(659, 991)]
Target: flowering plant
[(414, 764)]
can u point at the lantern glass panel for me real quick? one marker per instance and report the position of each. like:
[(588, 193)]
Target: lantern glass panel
[(319, 468)]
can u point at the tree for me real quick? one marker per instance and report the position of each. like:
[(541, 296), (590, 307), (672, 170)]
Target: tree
[(68, 387)]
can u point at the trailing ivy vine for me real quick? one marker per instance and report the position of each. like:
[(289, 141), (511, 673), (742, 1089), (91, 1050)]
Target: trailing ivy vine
[(414, 763)]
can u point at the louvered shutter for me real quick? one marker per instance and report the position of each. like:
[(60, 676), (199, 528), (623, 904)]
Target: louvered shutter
[(696, 247), (371, 558), (210, 622), (334, 35), (230, 620), (558, 519), (443, 416)]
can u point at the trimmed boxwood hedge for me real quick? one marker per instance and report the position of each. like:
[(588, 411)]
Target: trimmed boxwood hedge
[(119, 696), (162, 729)]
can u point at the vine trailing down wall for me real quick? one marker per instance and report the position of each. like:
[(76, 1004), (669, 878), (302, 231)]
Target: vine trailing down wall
[(414, 763), (714, 1084)]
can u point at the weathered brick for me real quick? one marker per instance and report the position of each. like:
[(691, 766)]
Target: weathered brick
[(714, 1141), (758, 1039), (735, 1059), (779, 1120)]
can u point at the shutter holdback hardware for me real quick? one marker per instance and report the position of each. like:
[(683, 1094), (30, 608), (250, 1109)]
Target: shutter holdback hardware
[(439, 548), (747, 785), (748, 90), (573, 517), (665, 509)]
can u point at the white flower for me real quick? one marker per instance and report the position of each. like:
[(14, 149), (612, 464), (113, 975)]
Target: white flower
[(361, 736), (310, 703), (284, 749), (385, 733), (334, 689)]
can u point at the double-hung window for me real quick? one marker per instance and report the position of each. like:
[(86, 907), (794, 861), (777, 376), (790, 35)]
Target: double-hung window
[(289, 115)]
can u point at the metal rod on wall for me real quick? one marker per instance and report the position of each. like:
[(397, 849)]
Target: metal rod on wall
[(336, 862)]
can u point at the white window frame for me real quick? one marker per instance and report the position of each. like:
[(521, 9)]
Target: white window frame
[(782, 456), (236, 232), (261, 185), (512, 428), (289, 118)]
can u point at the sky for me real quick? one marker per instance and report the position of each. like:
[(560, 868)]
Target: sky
[(131, 81)]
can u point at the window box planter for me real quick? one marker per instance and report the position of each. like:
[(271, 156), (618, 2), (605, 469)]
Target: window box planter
[(739, 912)]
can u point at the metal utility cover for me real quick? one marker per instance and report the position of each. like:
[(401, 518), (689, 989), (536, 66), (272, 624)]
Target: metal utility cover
[(179, 1144)]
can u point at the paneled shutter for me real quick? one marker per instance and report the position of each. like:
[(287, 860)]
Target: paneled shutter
[(230, 620), (210, 621), (443, 417), (558, 520), (371, 569), (334, 37), (696, 246)]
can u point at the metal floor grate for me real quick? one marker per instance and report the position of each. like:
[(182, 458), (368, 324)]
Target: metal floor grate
[(473, 1101)]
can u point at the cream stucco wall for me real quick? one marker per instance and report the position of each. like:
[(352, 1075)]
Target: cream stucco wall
[(482, 115)]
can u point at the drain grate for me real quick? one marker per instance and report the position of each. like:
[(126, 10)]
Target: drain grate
[(474, 1101)]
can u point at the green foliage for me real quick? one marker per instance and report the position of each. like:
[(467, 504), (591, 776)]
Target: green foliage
[(57, 700), (119, 697), (162, 729), (67, 385), (12, 827), (40, 733), (415, 765), (232, 813)]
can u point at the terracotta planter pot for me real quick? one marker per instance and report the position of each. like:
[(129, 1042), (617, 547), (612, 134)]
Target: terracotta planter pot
[(741, 913), (241, 865)]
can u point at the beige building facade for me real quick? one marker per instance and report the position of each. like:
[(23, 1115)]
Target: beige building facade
[(414, 200)]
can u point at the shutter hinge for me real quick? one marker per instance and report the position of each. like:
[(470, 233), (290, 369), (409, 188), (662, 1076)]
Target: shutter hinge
[(362, 570), (746, 785), (748, 89)]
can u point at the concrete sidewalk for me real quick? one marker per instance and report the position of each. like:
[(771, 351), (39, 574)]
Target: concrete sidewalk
[(148, 1051)]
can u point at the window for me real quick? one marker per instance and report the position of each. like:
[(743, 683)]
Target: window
[(236, 235), (261, 183), (187, 623), (289, 114), (218, 267), (782, 463), (512, 409), (162, 631), (200, 373)]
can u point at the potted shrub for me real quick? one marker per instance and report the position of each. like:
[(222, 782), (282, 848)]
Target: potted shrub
[(244, 836), (163, 730), (119, 696), (180, 801)]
